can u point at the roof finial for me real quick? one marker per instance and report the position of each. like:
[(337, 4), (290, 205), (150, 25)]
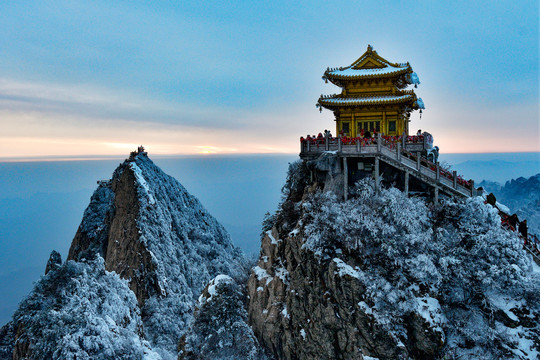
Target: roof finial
[(369, 48)]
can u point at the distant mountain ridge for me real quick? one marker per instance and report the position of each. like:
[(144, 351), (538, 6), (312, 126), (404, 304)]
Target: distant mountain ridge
[(522, 196)]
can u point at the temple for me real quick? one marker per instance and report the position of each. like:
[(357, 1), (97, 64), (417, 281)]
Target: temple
[(372, 115), (373, 96)]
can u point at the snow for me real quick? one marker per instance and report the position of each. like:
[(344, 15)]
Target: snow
[(303, 333), (283, 274), (220, 329), (344, 269), (439, 258), (415, 79), (420, 103), (368, 310), (212, 286), (349, 71), (142, 182), (294, 232), (430, 310), (187, 248), (262, 274), (284, 312), (79, 310), (369, 357), (506, 303), (272, 239)]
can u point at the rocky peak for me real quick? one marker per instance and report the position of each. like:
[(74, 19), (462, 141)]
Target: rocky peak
[(55, 260), (385, 276), (145, 227)]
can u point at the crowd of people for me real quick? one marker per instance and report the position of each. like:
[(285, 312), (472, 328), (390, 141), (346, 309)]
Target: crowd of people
[(364, 137)]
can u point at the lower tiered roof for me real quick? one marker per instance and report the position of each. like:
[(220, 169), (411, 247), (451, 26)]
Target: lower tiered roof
[(366, 100)]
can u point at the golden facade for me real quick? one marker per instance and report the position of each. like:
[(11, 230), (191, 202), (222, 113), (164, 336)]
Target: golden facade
[(373, 96)]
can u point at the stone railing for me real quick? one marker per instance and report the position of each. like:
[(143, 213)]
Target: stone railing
[(404, 150), (329, 143)]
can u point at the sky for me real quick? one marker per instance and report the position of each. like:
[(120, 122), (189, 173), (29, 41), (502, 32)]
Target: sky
[(87, 79)]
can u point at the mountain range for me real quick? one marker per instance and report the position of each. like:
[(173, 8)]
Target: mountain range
[(151, 274)]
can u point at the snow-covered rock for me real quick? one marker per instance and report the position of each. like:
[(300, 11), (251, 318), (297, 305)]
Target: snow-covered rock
[(389, 277), (145, 227), (80, 311)]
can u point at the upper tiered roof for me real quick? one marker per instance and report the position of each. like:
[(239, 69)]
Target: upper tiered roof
[(371, 65)]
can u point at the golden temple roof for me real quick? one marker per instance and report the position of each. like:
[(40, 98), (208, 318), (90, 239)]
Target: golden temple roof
[(371, 65), (336, 100)]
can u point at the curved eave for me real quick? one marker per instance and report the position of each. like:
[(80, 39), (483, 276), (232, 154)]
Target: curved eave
[(337, 102), (359, 75)]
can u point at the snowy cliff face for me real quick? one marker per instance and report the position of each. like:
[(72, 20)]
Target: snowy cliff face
[(143, 232), (387, 277)]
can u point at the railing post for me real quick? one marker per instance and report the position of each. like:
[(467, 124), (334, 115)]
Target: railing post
[(308, 145), (358, 146), (472, 188), (340, 144), (379, 142), (454, 175), (326, 142), (438, 170), (418, 161), (398, 149), (403, 140)]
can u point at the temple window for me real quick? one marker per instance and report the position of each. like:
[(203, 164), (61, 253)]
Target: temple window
[(369, 126), (345, 128)]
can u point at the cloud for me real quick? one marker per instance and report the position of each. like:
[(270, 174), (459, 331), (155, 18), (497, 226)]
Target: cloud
[(76, 102)]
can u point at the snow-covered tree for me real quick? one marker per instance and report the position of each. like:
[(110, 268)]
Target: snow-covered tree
[(81, 311), (220, 330)]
